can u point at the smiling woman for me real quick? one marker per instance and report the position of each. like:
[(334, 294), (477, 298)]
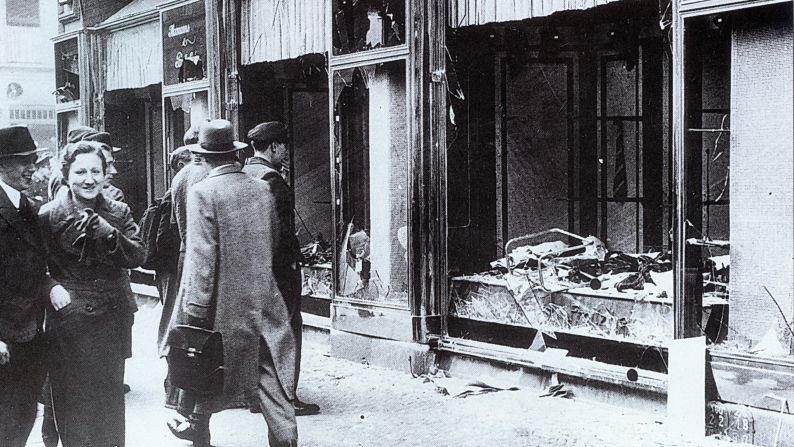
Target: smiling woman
[(84, 170), (91, 241)]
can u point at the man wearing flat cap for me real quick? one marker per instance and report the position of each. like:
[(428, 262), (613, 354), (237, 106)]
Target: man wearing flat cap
[(269, 141), (24, 290), (228, 286)]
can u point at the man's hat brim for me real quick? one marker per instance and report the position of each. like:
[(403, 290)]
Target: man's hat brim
[(19, 154), (199, 149)]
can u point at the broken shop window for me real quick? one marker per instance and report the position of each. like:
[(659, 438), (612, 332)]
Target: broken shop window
[(736, 182), (371, 165), (559, 160), (360, 25)]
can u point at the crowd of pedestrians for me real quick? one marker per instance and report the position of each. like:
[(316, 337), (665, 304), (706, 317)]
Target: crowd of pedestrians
[(227, 261)]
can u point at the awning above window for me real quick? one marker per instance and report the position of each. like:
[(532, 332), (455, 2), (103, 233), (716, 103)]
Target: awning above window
[(134, 57), (479, 12), (274, 30)]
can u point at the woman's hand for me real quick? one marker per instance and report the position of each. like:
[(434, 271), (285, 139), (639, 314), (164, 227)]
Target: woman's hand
[(99, 228), (95, 226), (59, 297)]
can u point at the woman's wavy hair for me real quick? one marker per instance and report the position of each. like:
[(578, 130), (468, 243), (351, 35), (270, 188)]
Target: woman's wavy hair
[(72, 150)]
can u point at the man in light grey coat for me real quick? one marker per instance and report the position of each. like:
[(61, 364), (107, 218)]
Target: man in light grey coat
[(228, 285)]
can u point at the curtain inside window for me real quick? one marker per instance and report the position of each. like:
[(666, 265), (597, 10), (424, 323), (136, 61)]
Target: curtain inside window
[(134, 57), (274, 30), (478, 12)]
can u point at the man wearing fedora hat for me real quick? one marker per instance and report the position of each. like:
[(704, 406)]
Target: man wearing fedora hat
[(228, 286), (24, 286), (269, 141)]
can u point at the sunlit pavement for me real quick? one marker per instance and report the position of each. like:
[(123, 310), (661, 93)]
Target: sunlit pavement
[(365, 406)]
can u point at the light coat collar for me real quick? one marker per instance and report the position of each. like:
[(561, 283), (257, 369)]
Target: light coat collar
[(230, 168)]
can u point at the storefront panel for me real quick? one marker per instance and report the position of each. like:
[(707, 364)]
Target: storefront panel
[(184, 40), (372, 166), (275, 30), (133, 61), (734, 161)]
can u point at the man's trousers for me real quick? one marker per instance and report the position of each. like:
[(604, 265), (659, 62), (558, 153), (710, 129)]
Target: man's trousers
[(20, 386)]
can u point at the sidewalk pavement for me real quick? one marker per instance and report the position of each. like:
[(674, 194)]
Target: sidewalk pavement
[(364, 405)]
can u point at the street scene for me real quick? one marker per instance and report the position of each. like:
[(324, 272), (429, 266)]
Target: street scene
[(396, 222), (367, 405)]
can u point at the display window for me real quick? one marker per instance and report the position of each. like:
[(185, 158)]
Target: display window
[(181, 112), (559, 184), (372, 158)]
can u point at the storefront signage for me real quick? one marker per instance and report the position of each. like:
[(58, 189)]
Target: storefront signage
[(184, 44)]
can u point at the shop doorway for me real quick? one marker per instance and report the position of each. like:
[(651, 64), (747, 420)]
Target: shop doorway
[(134, 120), (295, 92)]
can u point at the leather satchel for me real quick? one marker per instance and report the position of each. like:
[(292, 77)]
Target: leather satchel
[(195, 359)]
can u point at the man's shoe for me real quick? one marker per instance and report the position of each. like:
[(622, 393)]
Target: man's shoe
[(181, 429), (305, 409)]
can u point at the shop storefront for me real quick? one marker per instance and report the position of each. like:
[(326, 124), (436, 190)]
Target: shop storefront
[(558, 177)]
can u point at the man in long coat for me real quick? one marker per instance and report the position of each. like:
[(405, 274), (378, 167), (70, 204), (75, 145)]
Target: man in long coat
[(24, 286), (228, 285), (269, 141)]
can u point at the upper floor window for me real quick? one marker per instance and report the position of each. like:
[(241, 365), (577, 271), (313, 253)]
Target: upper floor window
[(65, 9), (22, 13)]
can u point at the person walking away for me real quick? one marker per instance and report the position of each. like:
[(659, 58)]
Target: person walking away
[(24, 286), (228, 286), (270, 143), (181, 401), (92, 241)]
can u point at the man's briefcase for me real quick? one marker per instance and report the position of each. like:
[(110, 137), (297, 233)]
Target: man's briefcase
[(195, 359)]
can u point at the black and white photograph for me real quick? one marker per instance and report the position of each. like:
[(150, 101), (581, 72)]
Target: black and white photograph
[(437, 223)]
